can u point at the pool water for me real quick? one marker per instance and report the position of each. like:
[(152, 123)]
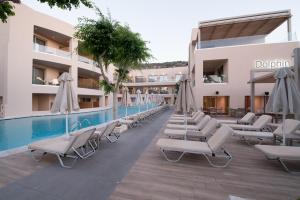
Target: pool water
[(23, 131)]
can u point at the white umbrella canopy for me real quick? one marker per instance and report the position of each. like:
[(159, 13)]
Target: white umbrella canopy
[(147, 99), (139, 99), (66, 99), (285, 97), (126, 99), (185, 100), (151, 97)]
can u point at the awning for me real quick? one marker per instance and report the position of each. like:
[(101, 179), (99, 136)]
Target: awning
[(266, 78), (242, 26)]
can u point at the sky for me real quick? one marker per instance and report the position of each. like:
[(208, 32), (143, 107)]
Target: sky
[(167, 24)]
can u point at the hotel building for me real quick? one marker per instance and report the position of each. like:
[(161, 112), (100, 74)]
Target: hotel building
[(156, 80), (35, 50), (227, 55)]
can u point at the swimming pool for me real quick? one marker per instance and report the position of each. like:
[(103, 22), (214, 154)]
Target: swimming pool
[(22, 131)]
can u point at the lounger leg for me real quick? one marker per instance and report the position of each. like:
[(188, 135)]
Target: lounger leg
[(171, 160), (84, 154), (287, 169), (36, 158), (227, 156), (63, 164)]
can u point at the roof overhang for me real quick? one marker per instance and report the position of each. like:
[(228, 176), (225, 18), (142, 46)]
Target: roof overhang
[(266, 78), (243, 26)]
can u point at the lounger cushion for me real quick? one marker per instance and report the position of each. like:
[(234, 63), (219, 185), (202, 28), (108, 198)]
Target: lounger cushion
[(189, 120), (291, 125), (54, 145), (219, 138), (283, 152), (220, 121), (184, 146), (179, 133), (262, 121), (200, 125), (256, 134), (243, 127), (247, 118)]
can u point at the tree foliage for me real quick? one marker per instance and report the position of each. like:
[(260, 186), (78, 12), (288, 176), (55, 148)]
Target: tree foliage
[(7, 8), (109, 42)]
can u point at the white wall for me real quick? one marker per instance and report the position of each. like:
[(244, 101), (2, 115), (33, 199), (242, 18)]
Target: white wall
[(240, 61)]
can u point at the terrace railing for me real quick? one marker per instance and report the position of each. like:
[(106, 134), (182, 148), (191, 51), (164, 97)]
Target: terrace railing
[(86, 60), (51, 50)]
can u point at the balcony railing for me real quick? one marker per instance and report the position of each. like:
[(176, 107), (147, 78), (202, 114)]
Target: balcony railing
[(257, 39), (214, 79), (51, 50), (86, 60), (88, 83), (144, 80)]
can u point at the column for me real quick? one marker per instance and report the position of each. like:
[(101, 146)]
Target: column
[(289, 29), (74, 58), (252, 91), (297, 71)]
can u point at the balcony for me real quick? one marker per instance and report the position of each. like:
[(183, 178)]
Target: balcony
[(88, 83), (140, 79), (215, 71), (52, 51), (86, 60)]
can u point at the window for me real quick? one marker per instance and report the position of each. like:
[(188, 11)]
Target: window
[(164, 90), (163, 78), (39, 43), (85, 99), (154, 90), (215, 71), (178, 77), (37, 76), (139, 79), (152, 78)]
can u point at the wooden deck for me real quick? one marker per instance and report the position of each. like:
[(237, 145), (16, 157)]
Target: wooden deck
[(17, 166), (249, 176)]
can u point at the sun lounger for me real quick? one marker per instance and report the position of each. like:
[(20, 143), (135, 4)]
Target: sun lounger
[(66, 147), (194, 120), (108, 132), (281, 153), (208, 130), (290, 124), (290, 130), (247, 119), (200, 125), (175, 116), (212, 148), (258, 125)]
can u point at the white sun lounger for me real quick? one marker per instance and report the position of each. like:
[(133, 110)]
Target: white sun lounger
[(208, 130), (194, 114), (247, 119), (66, 147), (290, 124), (193, 120), (258, 125), (212, 148), (200, 125), (281, 153)]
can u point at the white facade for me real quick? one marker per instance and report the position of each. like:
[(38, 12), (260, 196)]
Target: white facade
[(33, 54)]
